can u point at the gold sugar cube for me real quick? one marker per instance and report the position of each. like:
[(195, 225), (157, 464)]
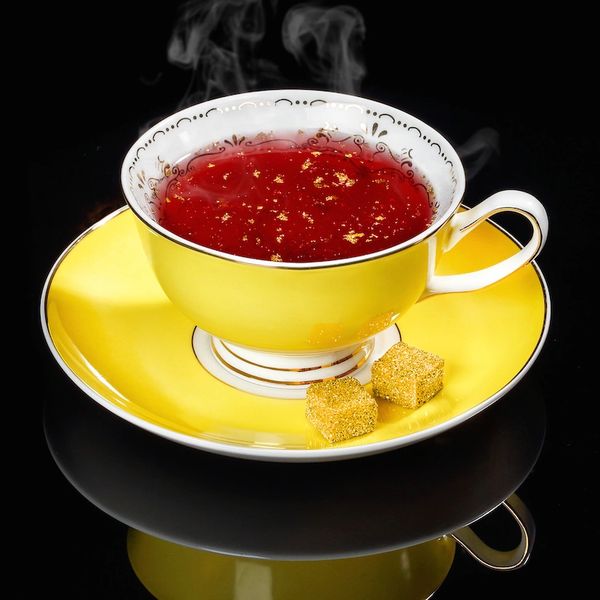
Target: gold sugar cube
[(407, 376), (340, 409)]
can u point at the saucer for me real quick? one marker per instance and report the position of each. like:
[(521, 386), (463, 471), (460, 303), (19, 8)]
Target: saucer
[(114, 332)]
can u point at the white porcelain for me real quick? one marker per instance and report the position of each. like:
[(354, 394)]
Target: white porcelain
[(277, 375)]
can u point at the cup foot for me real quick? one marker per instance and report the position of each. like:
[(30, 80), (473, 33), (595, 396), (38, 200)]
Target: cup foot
[(287, 375)]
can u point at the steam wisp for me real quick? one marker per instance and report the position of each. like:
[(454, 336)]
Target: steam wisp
[(217, 40), (477, 151), (328, 43)]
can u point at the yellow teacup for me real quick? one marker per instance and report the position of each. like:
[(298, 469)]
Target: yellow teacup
[(302, 317)]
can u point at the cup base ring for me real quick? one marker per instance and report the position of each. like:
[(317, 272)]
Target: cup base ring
[(287, 375)]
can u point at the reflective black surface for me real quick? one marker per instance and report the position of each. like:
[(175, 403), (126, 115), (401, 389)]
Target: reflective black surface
[(296, 511), (99, 73)]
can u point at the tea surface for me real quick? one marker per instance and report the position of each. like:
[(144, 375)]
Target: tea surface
[(296, 204)]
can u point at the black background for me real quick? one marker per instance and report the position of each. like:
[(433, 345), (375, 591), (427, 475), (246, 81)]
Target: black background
[(528, 78)]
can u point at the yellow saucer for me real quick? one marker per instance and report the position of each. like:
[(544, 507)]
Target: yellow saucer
[(115, 333)]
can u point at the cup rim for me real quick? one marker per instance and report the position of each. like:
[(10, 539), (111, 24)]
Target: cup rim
[(334, 96)]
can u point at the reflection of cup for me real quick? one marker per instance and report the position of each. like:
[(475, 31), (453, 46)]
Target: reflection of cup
[(286, 322), (170, 570), (177, 572)]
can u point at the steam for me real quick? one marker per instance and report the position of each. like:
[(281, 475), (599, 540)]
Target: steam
[(477, 151), (328, 42), (217, 40)]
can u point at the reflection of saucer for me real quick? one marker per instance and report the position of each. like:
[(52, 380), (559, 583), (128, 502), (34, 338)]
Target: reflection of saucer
[(118, 337)]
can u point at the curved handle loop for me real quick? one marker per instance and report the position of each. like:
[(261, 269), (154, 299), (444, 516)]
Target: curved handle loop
[(463, 223), (497, 559)]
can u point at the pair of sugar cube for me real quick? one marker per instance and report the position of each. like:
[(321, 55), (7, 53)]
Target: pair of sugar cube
[(341, 408)]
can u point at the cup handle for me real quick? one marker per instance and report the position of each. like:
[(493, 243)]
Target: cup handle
[(496, 559), (461, 224)]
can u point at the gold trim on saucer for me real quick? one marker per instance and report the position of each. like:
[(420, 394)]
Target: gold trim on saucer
[(251, 377), (332, 364)]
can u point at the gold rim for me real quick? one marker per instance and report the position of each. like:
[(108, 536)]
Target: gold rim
[(66, 252), (289, 266), (158, 229), (249, 376), (337, 362)]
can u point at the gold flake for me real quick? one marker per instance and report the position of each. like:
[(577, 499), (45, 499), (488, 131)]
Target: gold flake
[(244, 238), (282, 216), (348, 155), (380, 218), (306, 164), (279, 238), (257, 241), (329, 198), (225, 217), (306, 216), (210, 165), (256, 173), (353, 236), (226, 175), (278, 179), (318, 182), (259, 207), (384, 182), (343, 179), (251, 221), (276, 258), (167, 199), (316, 153)]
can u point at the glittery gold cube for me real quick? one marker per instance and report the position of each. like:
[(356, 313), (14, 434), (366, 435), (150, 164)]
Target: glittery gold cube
[(407, 376), (340, 409)]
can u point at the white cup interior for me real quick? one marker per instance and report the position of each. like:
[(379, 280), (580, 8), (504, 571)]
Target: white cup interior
[(246, 119)]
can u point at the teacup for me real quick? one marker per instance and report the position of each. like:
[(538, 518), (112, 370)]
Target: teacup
[(279, 324)]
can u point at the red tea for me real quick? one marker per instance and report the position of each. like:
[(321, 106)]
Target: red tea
[(297, 204)]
